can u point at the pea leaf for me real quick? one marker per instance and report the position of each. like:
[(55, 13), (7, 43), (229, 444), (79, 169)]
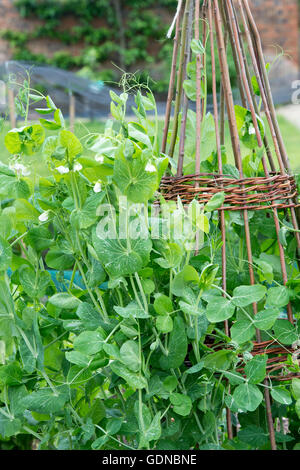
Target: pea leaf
[(247, 397), (132, 310), (8, 426), (182, 404), (89, 342), (130, 355), (219, 360), (215, 202), (278, 296), (285, 332), (219, 309), (242, 331), (177, 348), (246, 295), (254, 435), (164, 324), (163, 305), (89, 316), (296, 388), (71, 143), (5, 254), (121, 258), (134, 181), (281, 395), (34, 284), (256, 369), (64, 300), (45, 401), (265, 319), (134, 380)]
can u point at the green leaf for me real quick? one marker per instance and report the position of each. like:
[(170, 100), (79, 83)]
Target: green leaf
[(247, 397), (130, 355), (196, 368), (122, 257), (219, 309), (256, 369), (234, 378), (57, 259), (134, 181), (137, 132), (191, 309), (34, 283), (296, 388), (254, 435), (285, 332), (25, 140), (163, 305), (184, 279), (39, 238), (278, 297), (246, 127), (220, 360), (164, 324), (65, 301), (265, 319), (132, 310), (197, 47), (10, 374), (76, 357), (215, 202), (182, 404), (177, 348), (89, 342), (242, 331), (170, 383), (5, 255), (172, 256), (246, 295), (45, 401), (281, 395), (134, 380), (297, 408), (9, 426), (70, 142), (89, 316)]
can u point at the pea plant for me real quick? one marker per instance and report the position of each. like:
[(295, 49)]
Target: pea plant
[(111, 324)]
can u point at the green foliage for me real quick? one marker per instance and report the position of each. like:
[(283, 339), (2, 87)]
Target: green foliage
[(125, 347)]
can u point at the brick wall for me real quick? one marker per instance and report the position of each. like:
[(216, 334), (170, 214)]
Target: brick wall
[(278, 24)]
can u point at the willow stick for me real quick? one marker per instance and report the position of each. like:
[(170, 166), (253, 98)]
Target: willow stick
[(220, 166), (180, 77), (198, 94), (172, 82), (185, 98)]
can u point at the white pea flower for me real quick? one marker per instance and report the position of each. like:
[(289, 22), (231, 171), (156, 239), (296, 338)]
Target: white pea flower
[(150, 168), (251, 130), (62, 170), (98, 187), (77, 167), (20, 169), (99, 158), (44, 216)]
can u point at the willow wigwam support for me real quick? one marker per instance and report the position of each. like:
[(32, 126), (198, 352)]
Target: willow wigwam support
[(230, 24)]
